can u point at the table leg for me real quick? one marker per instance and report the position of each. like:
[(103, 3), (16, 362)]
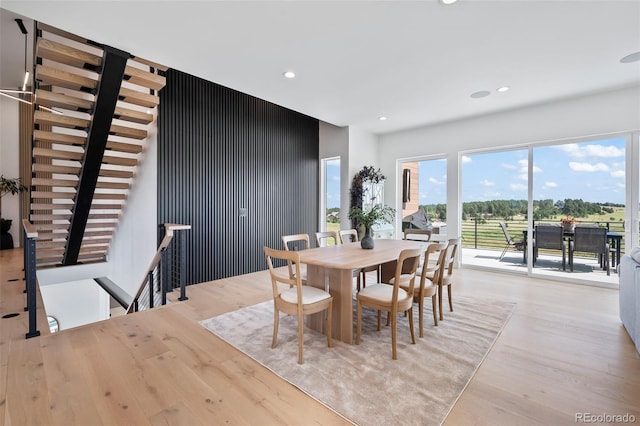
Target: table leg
[(341, 288)]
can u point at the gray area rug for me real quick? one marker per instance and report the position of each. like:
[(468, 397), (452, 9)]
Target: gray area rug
[(362, 382)]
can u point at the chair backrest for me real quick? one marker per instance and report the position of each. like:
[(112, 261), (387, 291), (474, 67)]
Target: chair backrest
[(438, 250), (507, 236), (348, 235), (408, 262), (549, 237), (449, 260), (296, 242), (417, 234), (291, 258), (590, 239), (326, 238), (293, 243)]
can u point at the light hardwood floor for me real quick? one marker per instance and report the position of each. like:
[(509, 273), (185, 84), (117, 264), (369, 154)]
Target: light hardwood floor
[(563, 352)]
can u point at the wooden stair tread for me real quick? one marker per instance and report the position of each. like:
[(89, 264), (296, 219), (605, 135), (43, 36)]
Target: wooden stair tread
[(37, 217), (61, 78), (56, 206), (120, 161), (62, 53), (103, 196), (143, 78), (54, 182), (131, 148), (51, 99), (112, 185), (138, 98), (53, 195), (54, 153), (121, 174), (41, 135), (128, 132), (43, 117), (51, 168), (127, 114)]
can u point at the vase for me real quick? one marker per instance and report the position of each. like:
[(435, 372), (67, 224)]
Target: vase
[(367, 241)]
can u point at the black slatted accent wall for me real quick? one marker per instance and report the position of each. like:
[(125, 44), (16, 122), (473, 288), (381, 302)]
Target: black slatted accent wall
[(221, 151)]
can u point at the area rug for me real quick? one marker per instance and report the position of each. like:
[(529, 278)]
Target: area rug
[(362, 382)]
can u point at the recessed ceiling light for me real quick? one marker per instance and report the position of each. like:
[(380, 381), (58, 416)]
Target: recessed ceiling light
[(383, 118), (289, 74), (480, 94), (447, 2), (634, 57), (503, 89)]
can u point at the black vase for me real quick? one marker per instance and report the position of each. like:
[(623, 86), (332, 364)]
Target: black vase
[(367, 241)]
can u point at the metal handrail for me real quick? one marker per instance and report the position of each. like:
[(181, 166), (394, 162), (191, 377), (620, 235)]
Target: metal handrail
[(30, 235)]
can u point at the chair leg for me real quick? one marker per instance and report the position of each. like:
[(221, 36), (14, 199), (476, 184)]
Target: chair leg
[(358, 321), (276, 320), (504, 251), (413, 334), (440, 301), (450, 299), (435, 310), (358, 280), (394, 352), (379, 320), (329, 324), (300, 338)]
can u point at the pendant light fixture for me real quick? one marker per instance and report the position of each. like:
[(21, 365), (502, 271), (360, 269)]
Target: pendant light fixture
[(13, 93)]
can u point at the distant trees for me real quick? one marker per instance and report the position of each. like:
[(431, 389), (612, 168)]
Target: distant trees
[(507, 209)]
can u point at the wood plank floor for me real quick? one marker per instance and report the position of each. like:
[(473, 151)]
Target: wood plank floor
[(563, 352)]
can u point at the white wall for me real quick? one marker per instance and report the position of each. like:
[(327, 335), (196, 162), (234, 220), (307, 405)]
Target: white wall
[(598, 114), (75, 303), (9, 162), (334, 142)]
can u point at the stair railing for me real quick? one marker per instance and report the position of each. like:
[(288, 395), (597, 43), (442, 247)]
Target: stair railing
[(159, 278), (29, 237)]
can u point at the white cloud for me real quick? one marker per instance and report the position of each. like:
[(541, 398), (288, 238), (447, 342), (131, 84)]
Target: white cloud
[(588, 167), (617, 174), (582, 151), (466, 159), (491, 195), (508, 166), (436, 181), (487, 183), (548, 185), (518, 187)]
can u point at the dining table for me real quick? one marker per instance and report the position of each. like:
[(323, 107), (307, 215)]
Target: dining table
[(332, 267)]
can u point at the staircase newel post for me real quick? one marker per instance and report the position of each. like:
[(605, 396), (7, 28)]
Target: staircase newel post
[(163, 275), (183, 266), (151, 294), (30, 277)]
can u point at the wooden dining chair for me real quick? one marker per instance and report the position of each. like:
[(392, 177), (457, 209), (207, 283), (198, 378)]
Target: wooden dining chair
[(446, 274), (349, 236), (326, 238), (429, 274), (297, 242), (297, 300), (391, 298), (416, 234)]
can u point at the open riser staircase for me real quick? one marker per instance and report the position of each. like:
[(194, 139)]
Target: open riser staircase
[(93, 108)]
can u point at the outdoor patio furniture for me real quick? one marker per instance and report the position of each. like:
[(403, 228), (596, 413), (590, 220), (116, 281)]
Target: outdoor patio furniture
[(549, 237), (518, 245), (590, 239)]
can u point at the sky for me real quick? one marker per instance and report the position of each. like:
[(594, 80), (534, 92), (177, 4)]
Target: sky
[(592, 171)]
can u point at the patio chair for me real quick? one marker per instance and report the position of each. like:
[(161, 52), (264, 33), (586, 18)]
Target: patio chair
[(549, 237), (518, 245), (590, 239)]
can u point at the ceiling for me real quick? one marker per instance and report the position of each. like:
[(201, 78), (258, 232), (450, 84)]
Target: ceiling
[(416, 62)]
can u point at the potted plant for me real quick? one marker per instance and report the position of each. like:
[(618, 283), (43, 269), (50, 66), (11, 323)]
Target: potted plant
[(568, 223), (369, 216), (8, 186)]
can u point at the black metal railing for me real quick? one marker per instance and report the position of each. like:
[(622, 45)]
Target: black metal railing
[(29, 237), (165, 273)]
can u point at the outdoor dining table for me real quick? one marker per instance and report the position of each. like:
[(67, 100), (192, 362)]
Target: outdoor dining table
[(614, 239), (334, 265)]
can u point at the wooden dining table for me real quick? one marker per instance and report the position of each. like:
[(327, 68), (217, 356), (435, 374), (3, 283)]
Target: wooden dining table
[(333, 267)]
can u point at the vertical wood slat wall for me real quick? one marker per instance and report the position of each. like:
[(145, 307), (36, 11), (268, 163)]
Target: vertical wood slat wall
[(221, 151)]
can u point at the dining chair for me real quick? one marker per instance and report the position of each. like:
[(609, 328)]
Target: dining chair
[(417, 234), (297, 300), (429, 275), (326, 238), (297, 242), (518, 245), (551, 237), (391, 298), (349, 236), (590, 239), (446, 274)]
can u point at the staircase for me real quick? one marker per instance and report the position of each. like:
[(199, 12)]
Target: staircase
[(93, 108)]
